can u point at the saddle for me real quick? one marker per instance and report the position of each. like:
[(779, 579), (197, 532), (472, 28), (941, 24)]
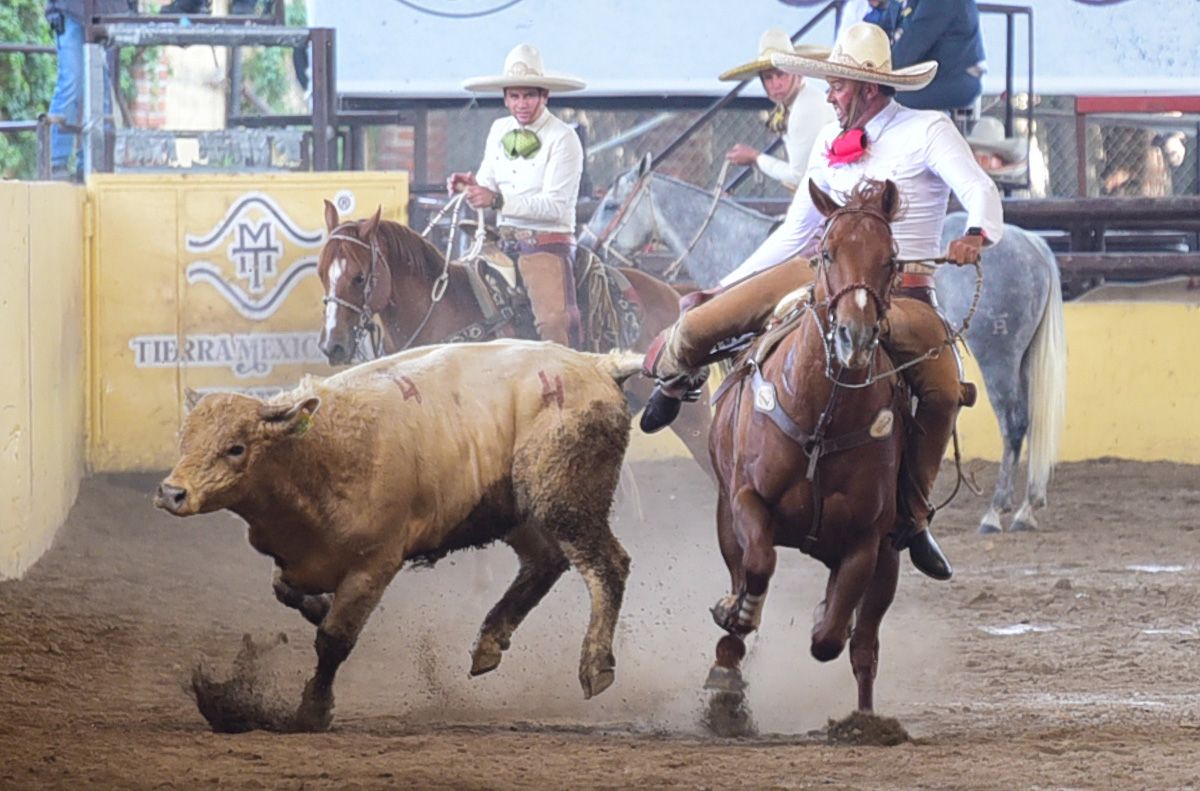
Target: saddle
[(611, 310)]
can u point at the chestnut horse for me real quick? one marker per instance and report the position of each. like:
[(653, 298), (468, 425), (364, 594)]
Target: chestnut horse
[(807, 445), (381, 268)]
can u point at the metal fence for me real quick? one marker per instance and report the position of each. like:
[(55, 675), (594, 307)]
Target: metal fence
[(1144, 154)]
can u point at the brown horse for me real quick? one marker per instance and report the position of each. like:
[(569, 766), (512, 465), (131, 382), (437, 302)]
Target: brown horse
[(381, 268), (807, 445)]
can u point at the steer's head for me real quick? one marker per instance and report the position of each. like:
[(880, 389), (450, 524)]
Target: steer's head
[(223, 439)]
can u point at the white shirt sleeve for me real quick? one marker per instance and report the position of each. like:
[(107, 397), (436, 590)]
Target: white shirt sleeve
[(778, 169), (948, 155), (797, 231), (486, 175), (560, 185)]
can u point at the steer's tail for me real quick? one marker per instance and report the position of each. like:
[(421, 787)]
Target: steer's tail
[(620, 365)]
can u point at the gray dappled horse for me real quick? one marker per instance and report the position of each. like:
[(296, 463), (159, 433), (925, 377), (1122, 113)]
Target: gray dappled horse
[(1017, 333)]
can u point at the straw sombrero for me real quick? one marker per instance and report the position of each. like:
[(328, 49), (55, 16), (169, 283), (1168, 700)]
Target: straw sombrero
[(988, 136), (771, 42), (862, 52), (523, 69)]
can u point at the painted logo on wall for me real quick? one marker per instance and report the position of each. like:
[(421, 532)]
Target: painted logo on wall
[(251, 234)]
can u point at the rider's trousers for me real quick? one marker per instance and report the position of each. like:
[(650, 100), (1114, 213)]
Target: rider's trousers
[(546, 271), (914, 327)]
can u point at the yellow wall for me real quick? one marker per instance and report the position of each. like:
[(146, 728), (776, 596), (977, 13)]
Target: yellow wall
[(1133, 389), (42, 364), (223, 266)]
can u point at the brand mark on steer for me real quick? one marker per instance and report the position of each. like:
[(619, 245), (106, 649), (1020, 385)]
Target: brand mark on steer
[(408, 388), (551, 392)]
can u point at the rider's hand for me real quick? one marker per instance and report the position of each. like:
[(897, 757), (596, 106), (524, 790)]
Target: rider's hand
[(742, 154), (965, 250), (480, 197), (458, 181)]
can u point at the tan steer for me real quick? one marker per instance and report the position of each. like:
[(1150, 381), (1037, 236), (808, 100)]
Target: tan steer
[(406, 458)]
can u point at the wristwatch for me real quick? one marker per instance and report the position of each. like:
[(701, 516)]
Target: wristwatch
[(975, 230), (498, 202)]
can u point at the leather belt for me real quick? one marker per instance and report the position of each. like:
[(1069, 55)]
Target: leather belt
[(916, 280), (508, 232), (916, 267)]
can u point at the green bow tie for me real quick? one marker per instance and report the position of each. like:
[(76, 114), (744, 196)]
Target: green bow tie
[(520, 143)]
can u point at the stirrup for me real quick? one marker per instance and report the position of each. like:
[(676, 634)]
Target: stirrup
[(684, 387)]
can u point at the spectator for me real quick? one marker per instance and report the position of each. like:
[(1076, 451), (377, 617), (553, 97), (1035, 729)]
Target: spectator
[(800, 109), (65, 18), (881, 13), (946, 31)]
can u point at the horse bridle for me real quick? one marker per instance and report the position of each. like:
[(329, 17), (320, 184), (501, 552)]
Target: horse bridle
[(882, 301), (363, 325)]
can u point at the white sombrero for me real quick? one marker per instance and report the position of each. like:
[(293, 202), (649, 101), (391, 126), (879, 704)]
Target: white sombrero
[(773, 41), (988, 136), (523, 69), (862, 52)]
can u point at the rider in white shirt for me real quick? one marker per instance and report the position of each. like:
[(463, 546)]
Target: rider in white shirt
[(530, 173), (924, 155), (800, 110)]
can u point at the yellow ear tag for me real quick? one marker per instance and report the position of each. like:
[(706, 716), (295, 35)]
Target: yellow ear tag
[(302, 425)]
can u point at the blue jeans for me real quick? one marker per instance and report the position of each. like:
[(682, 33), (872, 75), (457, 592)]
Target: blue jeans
[(68, 95)]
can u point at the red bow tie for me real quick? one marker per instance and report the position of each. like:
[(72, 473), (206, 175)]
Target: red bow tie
[(847, 147)]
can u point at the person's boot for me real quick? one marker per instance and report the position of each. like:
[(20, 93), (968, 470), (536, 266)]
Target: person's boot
[(185, 7), (670, 392), (663, 405), (927, 556)]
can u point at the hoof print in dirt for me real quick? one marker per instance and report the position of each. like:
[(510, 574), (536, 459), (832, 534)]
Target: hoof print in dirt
[(865, 728), (247, 700)]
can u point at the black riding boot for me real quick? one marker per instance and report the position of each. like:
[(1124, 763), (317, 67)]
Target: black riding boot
[(928, 557)]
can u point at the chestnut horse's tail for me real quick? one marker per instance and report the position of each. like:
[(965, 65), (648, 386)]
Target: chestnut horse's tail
[(620, 365)]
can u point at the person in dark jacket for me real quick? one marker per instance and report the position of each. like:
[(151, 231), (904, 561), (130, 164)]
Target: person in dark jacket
[(65, 18), (946, 31)]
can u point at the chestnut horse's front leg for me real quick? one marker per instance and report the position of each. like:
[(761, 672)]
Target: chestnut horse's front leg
[(864, 642)]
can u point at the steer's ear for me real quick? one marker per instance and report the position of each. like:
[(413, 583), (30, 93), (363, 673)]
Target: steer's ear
[(190, 399), (289, 419)]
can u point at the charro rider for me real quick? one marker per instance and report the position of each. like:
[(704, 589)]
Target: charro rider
[(799, 112), (875, 138), (530, 174)]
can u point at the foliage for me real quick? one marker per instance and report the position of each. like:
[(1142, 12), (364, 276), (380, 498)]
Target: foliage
[(26, 83), (267, 71)]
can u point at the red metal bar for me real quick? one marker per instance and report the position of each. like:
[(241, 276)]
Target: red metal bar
[(1137, 104)]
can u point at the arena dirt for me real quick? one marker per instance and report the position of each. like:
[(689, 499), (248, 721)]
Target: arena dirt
[(1063, 658)]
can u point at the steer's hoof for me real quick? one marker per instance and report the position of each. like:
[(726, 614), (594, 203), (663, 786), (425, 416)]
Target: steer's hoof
[(313, 718), (486, 656), (597, 675), (596, 682)]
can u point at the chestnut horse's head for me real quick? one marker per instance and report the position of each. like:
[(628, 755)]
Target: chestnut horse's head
[(857, 266), (356, 280)]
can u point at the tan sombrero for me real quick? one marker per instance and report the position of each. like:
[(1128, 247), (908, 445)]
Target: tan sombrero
[(772, 42), (862, 52), (988, 136), (523, 69)]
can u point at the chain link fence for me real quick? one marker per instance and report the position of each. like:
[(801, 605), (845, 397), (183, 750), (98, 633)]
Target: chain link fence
[(1150, 155)]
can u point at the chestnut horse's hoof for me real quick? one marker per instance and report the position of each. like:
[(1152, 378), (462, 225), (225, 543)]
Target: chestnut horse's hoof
[(725, 613)]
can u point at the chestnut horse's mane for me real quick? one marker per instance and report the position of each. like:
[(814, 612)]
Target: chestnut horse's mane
[(402, 245), (867, 194)]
